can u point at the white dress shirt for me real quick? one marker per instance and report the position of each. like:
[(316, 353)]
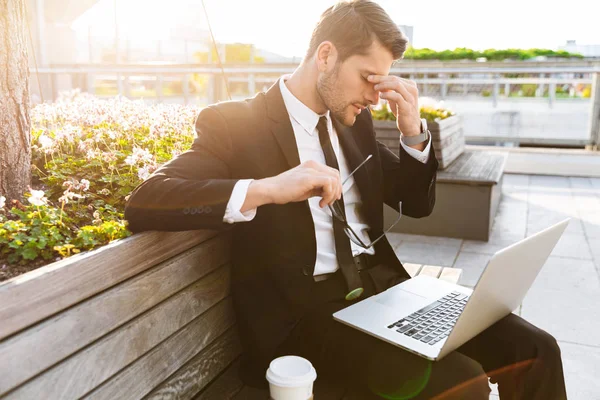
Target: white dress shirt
[(304, 123)]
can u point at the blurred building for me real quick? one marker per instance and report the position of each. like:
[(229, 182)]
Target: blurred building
[(408, 31), (587, 50)]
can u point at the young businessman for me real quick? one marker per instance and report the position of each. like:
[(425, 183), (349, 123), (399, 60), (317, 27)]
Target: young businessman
[(306, 245)]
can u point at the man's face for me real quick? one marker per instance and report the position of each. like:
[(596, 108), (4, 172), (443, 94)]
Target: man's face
[(345, 90)]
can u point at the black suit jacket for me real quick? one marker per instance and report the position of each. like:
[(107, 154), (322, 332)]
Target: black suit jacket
[(274, 254)]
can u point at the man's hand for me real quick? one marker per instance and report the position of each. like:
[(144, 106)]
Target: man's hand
[(307, 180), (403, 96)]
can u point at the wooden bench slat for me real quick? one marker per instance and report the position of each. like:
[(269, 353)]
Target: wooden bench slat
[(448, 274), (225, 387), (139, 378), (412, 269), (33, 296), (431, 270), (475, 167), (451, 275), (200, 370), (62, 335), (85, 370), (250, 393)]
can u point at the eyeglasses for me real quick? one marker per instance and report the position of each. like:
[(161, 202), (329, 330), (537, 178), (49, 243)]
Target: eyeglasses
[(338, 213)]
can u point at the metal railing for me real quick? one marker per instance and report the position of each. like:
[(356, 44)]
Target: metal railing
[(490, 82)]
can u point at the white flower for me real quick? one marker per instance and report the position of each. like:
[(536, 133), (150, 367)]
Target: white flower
[(138, 155), (2, 201), (90, 154), (130, 160), (143, 173), (428, 102), (37, 198), (45, 141), (84, 185), (142, 154), (68, 195), (85, 145)]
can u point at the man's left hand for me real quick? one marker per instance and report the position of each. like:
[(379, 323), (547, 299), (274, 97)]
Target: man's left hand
[(403, 97)]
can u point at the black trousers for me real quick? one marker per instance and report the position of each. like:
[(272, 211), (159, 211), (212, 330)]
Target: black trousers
[(525, 361)]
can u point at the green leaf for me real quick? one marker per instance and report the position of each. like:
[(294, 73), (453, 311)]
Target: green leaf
[(29, 254), (42, 241)]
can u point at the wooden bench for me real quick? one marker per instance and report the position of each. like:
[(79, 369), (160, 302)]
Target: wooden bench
[(146, 317), (468, 193)]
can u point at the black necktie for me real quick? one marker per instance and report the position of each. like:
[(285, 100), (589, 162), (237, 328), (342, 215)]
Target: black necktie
[(343, 250)]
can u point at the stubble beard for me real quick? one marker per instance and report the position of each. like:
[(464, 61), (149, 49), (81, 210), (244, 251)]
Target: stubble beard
[(328, 91)]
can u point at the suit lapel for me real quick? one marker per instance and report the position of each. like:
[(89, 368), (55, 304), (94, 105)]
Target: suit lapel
[(281, 126)]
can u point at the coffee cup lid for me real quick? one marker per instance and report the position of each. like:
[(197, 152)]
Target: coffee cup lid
[(291, 371)]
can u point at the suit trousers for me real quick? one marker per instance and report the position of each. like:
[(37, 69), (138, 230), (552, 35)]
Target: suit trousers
[(524, 360)]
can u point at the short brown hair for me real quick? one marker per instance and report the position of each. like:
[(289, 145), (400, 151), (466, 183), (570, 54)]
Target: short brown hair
[(353, 25)]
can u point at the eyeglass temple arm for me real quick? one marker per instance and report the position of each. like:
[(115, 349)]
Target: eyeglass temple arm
[(356, 169)]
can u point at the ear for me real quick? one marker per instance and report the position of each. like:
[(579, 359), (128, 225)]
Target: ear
[(326, 56)]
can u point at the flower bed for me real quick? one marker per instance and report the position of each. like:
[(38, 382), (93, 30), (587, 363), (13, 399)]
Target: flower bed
[(87, 156), (428, 108), (445, 127)]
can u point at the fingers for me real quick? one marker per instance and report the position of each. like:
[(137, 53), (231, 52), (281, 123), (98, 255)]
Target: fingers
[(402, 94), (395, 99), (330, 172), (329, 189), (407, 92), (405, 87), (384, 78), (322, 168)]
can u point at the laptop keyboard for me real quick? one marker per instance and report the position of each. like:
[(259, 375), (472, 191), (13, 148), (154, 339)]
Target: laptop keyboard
[(434, 322)]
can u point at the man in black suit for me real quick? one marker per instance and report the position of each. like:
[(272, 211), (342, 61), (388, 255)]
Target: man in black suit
[(306, 245)]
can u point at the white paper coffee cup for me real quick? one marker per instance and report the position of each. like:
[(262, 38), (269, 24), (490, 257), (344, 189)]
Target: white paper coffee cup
[(291, 378)]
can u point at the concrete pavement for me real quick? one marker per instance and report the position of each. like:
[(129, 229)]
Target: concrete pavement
[(565, 298)]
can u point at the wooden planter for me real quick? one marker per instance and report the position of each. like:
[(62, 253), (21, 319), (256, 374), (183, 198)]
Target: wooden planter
[(149, 316), (468, 193), (447, 135)]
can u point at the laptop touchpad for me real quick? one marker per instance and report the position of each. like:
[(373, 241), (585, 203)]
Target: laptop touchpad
[(397, 298)]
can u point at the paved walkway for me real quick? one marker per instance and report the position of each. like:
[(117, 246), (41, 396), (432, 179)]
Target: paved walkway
[(565, 298)]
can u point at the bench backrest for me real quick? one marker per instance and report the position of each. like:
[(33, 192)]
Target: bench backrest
[(146, 317)]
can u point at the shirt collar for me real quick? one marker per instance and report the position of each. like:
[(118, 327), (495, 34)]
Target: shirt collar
[(297, 110)]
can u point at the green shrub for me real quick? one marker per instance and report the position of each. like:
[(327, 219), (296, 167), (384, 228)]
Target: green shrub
[(462, 53)]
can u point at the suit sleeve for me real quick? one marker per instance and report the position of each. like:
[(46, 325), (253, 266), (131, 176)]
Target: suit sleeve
[(192, 190), (422, 156), (408, 180)]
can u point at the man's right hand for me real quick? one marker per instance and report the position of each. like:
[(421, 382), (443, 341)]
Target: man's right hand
[(307, 180)]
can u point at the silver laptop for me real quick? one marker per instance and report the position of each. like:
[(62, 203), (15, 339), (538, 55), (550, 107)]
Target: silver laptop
[(431, 317)]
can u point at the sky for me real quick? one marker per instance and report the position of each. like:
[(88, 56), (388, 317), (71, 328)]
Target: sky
[(284, 26)]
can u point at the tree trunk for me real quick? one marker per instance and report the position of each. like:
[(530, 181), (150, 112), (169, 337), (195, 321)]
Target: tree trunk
[(15, 135)]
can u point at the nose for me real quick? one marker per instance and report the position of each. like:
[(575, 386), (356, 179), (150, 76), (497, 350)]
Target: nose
[(373, 97)]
